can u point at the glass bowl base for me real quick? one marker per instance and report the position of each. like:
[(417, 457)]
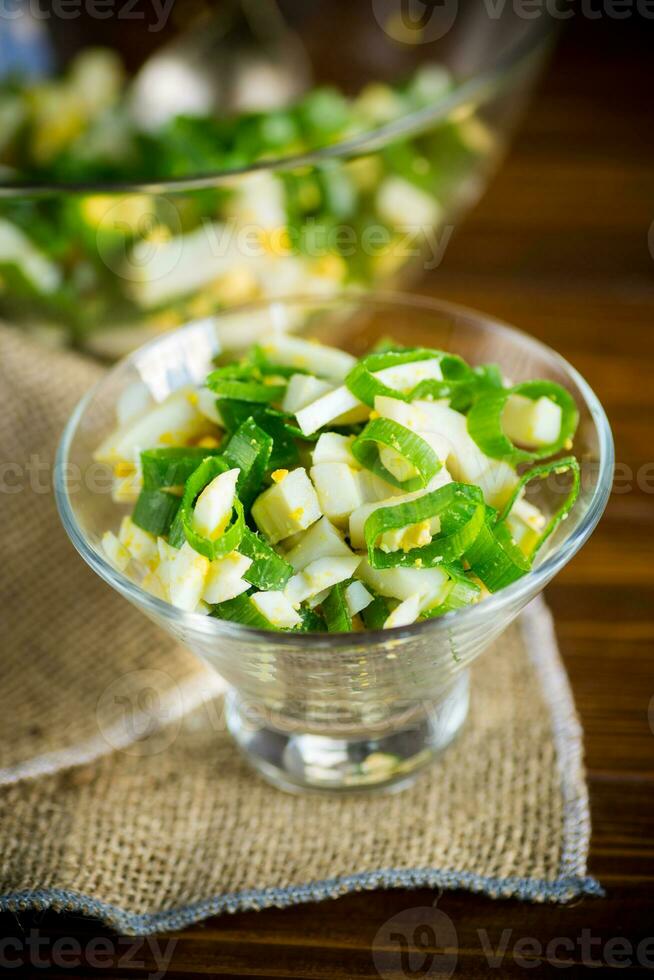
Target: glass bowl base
[(386, 761)]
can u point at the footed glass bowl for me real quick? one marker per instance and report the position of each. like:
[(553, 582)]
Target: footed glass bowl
[(336, 711)]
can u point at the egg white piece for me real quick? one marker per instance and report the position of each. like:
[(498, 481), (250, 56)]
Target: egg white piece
[(187, 576), (213, 507), (289, 506), (225, 578), (429, 584), (303, 389), (175, 421), (406, 613), (531, 422), (320, 576), (277, 609), (339, 490), (320, 541), (323, 361), (141, 544), (116, 552), (357, 597)]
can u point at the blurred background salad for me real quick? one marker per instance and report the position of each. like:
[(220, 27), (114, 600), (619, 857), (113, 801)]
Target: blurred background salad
[(156, 170)]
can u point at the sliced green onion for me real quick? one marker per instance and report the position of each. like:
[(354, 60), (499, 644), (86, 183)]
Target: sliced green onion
[(230, 539), (249, 449), (410, 446), (461, 511), (269, 572), (171, 467), (463, 592), (485, 421), (246, 391), (541, 472), (312, 621), (156, 510), (375, 613), (267, 365), (494, 557), (242, 610), (334, 609), (460, 387), (366, 387), (285, 453), (176, 535)]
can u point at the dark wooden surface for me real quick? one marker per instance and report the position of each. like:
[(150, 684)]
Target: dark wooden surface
[(559, 246)]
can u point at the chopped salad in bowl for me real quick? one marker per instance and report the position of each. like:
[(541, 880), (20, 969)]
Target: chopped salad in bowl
[(302, 489)]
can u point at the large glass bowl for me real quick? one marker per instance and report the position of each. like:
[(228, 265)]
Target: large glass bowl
[(336, 711), (107, 265)]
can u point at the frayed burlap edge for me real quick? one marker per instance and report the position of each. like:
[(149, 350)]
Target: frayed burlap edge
[(570, 882)]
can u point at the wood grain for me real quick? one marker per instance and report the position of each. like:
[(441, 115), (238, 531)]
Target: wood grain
[(559, 246)]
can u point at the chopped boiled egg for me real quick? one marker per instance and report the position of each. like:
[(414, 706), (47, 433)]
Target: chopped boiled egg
[(153, 584), (134, 401), (332, 447), (140, 544), (374, 488), (409, 537), (213, 507), (338, 489), (406, 613), (320, 541), (337, 407), (207, 405), (287, 507), (175, 421), (320, 575), (116, 552), (531, 422), (303, 389), (401, 204), (429, 584), (186, 578), (277, 609), (326, 362), (357, 597), (359, 516), (225, 578), (404, 377), (465, 460)]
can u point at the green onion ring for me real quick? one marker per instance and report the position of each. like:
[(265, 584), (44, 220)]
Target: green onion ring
[(485, 421), (409, 445)]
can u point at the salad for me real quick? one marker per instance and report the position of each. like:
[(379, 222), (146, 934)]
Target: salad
[(302, 489), (107, 269)]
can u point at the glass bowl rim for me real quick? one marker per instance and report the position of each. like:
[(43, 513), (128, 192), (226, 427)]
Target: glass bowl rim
[(529, 585), (478, 85)]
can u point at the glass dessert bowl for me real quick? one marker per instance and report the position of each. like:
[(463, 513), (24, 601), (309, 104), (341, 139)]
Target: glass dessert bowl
[(108, 241), (335, 711)]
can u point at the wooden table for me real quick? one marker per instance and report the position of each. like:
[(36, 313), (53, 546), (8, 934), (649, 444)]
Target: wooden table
[(559, 246)]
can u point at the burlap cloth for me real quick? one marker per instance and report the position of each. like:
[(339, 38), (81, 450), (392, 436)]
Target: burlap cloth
[(121, 795)]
